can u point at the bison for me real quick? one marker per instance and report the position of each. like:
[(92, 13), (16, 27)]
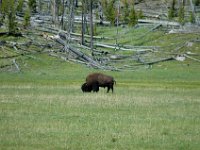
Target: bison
[(96, 80)]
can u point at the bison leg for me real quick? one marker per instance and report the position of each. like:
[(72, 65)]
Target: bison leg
[(110, 87), (95, 87)]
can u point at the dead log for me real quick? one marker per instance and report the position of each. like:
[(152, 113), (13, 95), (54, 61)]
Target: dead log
[(184, 31), (119, 57), (77, 52), (83, 57), (162, 22), (7, 57), (121, 48), (16, 65), (192, 58), (155, 62), (18, 34), (95, 37), (4, 66), (4, 33), (141, 47), (154, 28), (56, 31)]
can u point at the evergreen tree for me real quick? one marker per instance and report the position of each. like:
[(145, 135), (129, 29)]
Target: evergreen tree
[(181, 14), (27, 17), (197, 2), (133, 19), (2, 11), (109, 10), (12, 24), (126, 12), (171, 12), (8, 12), (3, 6), (20, 5), (32, 5), (192, 18), (140, 14)]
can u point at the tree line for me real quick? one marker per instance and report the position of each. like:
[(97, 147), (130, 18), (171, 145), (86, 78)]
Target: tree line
[(177, 10), (64, 11), (109, 10)]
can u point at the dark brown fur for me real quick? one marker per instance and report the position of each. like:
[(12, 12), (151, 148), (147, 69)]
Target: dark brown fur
[(96, 80)]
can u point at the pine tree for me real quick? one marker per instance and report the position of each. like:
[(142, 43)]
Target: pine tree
[(27, 17), (8, 10), (197, 2), (140, 14), (181, 14), (126, 12), (32, 5), (133, 19), (109, 10), (192, 18), (2, 12), (20, 5), (171, 12)]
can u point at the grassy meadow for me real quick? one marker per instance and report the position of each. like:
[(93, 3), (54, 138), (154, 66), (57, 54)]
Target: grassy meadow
[(44, 108)]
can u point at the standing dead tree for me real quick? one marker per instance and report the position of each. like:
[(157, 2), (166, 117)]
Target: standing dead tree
[(54, 11), (193, 12), (83, 21), (70, 19), (91, 25)]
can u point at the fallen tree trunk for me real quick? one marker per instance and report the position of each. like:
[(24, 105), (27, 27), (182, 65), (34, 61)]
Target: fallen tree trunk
[(155, 62), (4, 66), (56, 31), (84, 57), (154, 28), (16, 65), (11, 34), (192, 58), (162, 22), (121, 48), (77, 52)]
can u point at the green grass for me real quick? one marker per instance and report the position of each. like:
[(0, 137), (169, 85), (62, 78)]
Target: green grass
[(61, 117), (42, 107)]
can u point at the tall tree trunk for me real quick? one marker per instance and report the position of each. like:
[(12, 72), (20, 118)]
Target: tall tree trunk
[(70, 19), (179, 2), (193, 12), (91, 26), (192, 7), (40, 6), (100, 9), (54, 10), (76, 3), (118, 12), (83, 23)]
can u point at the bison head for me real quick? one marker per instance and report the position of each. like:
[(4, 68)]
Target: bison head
[(86, 88)]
